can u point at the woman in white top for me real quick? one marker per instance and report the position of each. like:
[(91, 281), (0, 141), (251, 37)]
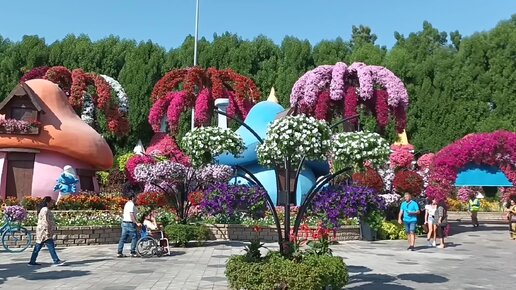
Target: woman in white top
[(430, 222)]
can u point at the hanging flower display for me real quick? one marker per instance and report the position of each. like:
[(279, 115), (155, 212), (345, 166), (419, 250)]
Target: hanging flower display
[(382, 92), (425, 160), (354, 149), (75, 85), (401, 159), (204, 143), (294, 137), (163, 145), (491, 149), (369, 178), (198, 88)]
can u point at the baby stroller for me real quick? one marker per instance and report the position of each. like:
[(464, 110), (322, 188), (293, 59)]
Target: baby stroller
[(149, 246)]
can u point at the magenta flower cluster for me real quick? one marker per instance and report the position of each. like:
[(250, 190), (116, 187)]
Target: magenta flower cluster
[(491, 149)]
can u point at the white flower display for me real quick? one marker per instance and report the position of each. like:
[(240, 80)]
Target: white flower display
[(390, 198), (354, 149), (120, 93), (294, 137), (387, 175), (203, 143), (88, 110)]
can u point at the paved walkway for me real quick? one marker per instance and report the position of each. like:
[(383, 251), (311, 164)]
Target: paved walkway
[(476, 259)]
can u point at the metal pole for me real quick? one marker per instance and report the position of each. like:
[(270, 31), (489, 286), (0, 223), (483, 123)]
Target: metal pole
[(196, 38)]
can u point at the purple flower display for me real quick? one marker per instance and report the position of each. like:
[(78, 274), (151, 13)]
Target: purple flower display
[(16, 213), (395, 88), (226, 199), (365, 79), (335, 203)]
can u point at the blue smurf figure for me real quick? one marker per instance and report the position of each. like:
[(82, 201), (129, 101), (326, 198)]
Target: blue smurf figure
[(67, 182)]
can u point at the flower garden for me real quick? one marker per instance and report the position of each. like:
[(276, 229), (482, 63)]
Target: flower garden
[(190, 190)]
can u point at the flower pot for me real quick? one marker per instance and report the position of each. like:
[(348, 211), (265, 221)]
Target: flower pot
[(367, 233)]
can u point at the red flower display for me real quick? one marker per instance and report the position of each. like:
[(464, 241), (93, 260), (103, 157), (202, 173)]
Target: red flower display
[(408, 181), (61, 76), (382, 108), (152, 199), (195, 197), (351, 104), (211, 85), (369, 178), (36, 73), (322, 108)]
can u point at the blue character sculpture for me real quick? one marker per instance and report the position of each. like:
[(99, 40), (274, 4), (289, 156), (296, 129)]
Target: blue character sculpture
[(67, 182)]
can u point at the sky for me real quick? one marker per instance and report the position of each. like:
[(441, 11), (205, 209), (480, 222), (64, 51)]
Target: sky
[(168, 23)]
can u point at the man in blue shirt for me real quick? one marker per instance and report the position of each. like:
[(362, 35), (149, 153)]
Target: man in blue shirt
[(408, 216)]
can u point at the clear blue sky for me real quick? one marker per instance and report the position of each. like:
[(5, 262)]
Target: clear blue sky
[(169, 22)]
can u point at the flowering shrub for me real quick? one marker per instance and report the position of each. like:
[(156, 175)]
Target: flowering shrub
[(334, 203), (16, 213), (79, 218), (294, 137), (196, 197), (204, 143), (369, 178), (407, 181), (491, 149), (31, 203), (507, 193), (121, 160), (464, 194), (391, 198), (152, 199), (90, 202), (400, 159), (133, 162), (225, 199), (387, 175), (353, 149)]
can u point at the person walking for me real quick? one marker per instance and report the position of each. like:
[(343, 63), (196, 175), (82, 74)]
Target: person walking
[(441, 220), (473, 208), (430, 222), (45, 233), (511, 216), (408, 216), (129, 227)]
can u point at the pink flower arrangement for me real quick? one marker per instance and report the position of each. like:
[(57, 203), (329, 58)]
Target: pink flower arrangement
[(177, 106), (425, 160), (464, 193), (507, 193), (401, 159), (203, 108), (36, 73), (158, 111), (351, 104), (164, 145), (338, 80), (491, 149), (391, 98)]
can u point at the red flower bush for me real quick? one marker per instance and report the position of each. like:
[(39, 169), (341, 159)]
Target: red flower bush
[(490, 149), (322, 108), (195, 197), (152, 199), (369, 178), (351, 104), (408, 181)]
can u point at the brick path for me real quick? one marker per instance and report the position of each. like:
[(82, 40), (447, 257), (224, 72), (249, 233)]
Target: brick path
[(480, 259)]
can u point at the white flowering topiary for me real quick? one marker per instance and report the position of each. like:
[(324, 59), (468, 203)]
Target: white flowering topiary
[(294, 137), (203, 143), (354, 149)]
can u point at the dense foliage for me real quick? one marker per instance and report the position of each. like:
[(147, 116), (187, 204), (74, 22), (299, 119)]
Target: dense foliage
[(277, 272), (181, 234), (457, 85)]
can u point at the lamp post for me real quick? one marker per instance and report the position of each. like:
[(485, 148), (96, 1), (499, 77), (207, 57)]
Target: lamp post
[(196, 38)]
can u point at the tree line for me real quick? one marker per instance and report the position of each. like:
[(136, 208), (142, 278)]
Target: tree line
[(457, 85)]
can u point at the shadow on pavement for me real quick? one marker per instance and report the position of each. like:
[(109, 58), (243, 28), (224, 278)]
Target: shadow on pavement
[(458, 228), (23, 271), (423, 278)]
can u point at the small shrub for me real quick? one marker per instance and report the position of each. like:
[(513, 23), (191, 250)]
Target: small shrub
[(391, 230), (31, 203), (277, 272), (181, 234), (103, 178), (121, 161)]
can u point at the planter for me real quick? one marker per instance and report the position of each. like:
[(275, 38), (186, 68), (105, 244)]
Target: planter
[(31, 131), (366, 232)]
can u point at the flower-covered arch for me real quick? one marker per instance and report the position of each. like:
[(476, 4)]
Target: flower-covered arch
[(195, 87), (328, 89), (492, 149), (75, 84)]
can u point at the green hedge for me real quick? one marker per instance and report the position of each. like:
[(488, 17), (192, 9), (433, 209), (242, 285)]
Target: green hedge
[(181, 234), (277, 272)]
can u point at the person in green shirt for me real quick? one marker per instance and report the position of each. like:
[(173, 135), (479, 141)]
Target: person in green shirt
[(473, 208)]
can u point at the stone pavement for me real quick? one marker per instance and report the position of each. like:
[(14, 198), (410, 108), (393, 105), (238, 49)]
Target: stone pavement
[(475, 259)]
